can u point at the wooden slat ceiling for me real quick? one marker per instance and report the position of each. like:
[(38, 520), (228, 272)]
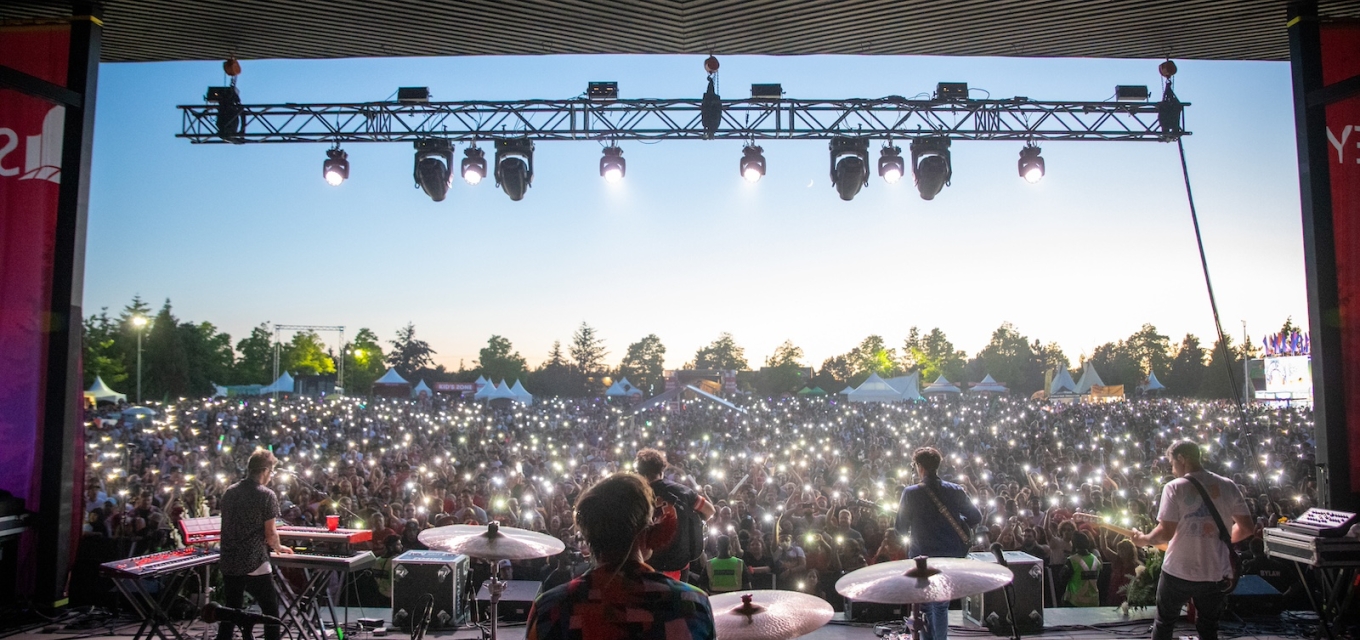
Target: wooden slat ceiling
[(151, 30)]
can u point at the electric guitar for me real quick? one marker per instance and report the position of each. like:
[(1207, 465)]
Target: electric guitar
[(1234, 558), (1102, 523)]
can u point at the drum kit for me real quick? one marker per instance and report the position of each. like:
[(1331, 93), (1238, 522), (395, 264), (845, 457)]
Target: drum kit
[(759, 614)]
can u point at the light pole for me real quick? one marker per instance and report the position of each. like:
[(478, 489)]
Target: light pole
[(140, 323)]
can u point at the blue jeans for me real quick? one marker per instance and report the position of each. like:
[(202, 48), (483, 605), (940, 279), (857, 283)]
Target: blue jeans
[(937, 620)]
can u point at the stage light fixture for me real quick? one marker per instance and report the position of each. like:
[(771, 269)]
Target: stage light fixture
[(515, 166), (434, 167), (602, 91), (230, 124), (891, 167), (336, 167), (1169, 112), (948, 91), (612, 165), (413, 95), (752, 163), (849, 165), (474, 165), (1131, 93), (1031, 164), (930, 165), (710, 111)]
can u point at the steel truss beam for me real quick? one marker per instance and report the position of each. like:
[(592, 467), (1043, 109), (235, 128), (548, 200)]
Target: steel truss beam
[(1016, 119)]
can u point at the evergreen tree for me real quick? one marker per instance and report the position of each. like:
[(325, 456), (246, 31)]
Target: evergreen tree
[(554, 377), (1185, 375), (102, 356), (166, 361), (409, 355), (1223, 375), (210, 357)]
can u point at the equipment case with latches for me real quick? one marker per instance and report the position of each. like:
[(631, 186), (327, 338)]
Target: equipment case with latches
[(989, 609), (441, 574)]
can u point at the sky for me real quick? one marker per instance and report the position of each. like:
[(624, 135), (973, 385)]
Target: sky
[(684, 248)]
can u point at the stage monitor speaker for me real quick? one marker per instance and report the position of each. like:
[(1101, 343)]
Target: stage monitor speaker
[(874, 611), (989, 609), (443, 575), (1255, 597), (514, 606)]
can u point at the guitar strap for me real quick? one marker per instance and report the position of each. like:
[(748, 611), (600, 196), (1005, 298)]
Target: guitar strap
[(1223, 533), (944, 511)]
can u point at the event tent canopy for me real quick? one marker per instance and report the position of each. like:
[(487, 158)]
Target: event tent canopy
[(941, 385), (679, 392), (1062, 383), (988, 385), (391, 377), (501, 392), (622, 388), (484, 389), (283, 385), (420, 388), (1089, 378), (100, 392), (521, 394), (1152, 384), (875, 389), (908, 386)]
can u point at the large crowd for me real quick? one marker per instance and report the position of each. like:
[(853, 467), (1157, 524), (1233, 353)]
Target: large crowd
[(804, 488)]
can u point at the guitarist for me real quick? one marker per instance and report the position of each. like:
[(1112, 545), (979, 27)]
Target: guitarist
[(935, 517), (1196, 511)]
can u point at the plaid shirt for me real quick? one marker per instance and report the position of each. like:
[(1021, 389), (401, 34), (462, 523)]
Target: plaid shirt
[(635, 604)]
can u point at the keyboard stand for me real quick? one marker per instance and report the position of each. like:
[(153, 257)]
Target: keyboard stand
[(153, 609), (300, 609)]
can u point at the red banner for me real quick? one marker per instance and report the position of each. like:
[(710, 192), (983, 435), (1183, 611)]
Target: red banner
[(1341, 61), (30, 172)]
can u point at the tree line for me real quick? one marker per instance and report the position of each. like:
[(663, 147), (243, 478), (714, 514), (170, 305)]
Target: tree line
[(185, 359)]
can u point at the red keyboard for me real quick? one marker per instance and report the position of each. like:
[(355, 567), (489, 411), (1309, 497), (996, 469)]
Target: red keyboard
[(156, 564)]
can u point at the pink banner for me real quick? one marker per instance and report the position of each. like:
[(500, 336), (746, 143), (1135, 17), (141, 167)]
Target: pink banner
[(30, 174)]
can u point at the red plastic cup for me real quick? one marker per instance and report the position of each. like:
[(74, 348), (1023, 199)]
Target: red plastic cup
[(332, 523)]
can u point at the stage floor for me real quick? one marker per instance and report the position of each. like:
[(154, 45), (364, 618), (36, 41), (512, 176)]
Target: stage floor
[(1085, 624)]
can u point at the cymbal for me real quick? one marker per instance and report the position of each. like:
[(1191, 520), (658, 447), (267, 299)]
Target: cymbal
[(922, 580), (768, 615), (492, 542)]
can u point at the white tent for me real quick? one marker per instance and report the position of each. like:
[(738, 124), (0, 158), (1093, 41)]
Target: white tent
[(875, 389), (283, 385), (220, 391), (522, 394), (100, 392), (420, 388), (849, 389), (908, 386), (1152, 384), (988, 385), (391, 377), (501, 392), (1089, 378), (622, 389), (1062, 383), (482, 383), (484, 389), (941, 385)]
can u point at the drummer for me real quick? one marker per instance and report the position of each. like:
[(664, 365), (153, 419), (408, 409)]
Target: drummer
[(934, 518), (621, 596)]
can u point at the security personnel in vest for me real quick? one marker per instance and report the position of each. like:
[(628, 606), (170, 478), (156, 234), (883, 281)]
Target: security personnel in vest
[(725, 572), (1083, 568)]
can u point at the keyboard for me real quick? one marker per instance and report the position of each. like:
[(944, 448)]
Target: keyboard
[(343, 563), (1322, 523), (157, 564)]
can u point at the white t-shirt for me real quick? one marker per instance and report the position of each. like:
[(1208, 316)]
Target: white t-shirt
[(1196, 553)]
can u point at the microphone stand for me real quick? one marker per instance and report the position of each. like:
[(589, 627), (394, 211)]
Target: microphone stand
[(1008, 591)]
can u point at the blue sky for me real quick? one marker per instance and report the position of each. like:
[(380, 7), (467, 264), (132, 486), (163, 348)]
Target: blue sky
[(684, 248)]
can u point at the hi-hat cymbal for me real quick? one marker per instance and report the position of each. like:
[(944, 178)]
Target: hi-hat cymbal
[(922, 580), (768, 615), (492, 542)]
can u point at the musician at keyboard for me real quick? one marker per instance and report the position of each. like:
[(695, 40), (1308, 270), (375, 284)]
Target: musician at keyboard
[(249, 508)]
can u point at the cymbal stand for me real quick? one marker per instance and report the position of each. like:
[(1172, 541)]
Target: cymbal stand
[(495, 587)]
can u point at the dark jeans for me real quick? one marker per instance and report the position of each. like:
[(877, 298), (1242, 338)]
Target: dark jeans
[(259, 587), (1173, 593)]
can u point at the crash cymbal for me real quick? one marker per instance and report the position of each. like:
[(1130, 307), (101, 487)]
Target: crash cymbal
[(768, 615), (492, 542), (922, 579)]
